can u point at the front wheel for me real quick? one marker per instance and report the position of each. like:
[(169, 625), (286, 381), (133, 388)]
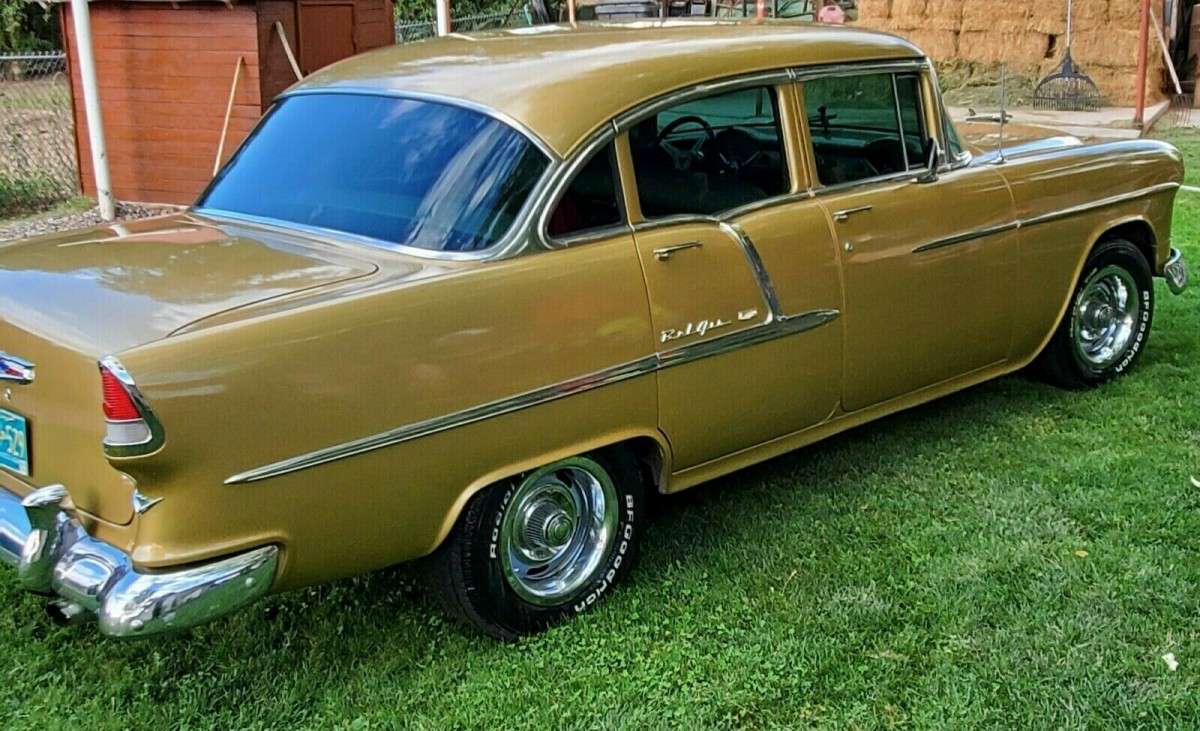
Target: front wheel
[(1108, 322), (533, 550)]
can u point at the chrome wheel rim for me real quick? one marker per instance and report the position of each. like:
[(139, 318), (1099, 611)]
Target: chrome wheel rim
[(1106, 316), (557, 529)]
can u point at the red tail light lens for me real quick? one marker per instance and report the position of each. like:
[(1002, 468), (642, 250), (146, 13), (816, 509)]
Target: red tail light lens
[(130, 427), (118, 406)]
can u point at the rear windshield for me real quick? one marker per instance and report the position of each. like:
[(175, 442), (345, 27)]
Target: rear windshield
[(415, 173)]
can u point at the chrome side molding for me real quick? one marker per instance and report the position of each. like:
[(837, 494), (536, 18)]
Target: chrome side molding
[(770, 329)]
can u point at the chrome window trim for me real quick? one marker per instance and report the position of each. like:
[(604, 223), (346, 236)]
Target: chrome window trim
[(513, 241), (910, 172), (769, 330), (424, 96), (624, 121), (557, 187), (564, 173)]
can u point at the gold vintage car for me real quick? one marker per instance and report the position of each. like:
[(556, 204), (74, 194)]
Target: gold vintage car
[(472, 298)]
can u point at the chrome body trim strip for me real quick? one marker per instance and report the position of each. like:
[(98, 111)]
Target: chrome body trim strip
[(771, 329), (55, 556), (1045, 217), (437, 424), (1109, 201), (967, 236), (757, 268)]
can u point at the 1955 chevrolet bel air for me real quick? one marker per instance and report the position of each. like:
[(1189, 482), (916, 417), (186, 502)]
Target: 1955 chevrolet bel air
[(472, 298)]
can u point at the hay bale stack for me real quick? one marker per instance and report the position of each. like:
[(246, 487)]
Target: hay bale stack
[(1028, 38)]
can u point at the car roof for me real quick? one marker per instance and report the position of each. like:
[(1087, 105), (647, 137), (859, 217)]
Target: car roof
[(563, 83)]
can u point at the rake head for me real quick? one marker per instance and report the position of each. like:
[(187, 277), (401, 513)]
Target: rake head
[(1067, 88)]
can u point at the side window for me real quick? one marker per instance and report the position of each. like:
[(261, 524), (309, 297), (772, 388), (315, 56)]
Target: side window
[(590, 202), (709, 155), (865, 126)]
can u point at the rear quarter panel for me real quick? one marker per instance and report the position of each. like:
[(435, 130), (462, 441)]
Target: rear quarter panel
[(239, 396), (1066, 201)]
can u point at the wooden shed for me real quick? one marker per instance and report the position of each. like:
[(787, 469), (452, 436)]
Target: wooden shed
[(165, 71)]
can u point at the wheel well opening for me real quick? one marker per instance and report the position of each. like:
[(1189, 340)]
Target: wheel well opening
[(1139, 234), (649, 457)]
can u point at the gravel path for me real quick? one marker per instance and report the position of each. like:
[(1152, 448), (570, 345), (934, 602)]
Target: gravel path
[(48, 222)]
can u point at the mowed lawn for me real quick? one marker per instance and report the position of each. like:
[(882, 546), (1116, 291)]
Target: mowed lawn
[(1013, 556)]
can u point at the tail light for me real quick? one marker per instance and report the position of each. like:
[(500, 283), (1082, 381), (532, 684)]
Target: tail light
[(131, 429)]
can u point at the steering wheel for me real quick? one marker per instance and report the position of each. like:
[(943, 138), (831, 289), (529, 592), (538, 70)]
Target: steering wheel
[(683, 159)]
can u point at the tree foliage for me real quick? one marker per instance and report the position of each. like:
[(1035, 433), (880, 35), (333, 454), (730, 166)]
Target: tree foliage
[(26, 26)]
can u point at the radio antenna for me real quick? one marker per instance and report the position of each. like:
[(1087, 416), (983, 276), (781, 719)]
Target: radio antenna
[(1003, 112)]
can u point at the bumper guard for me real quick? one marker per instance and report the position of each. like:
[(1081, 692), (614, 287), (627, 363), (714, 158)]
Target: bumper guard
[(1176, 272), (87, 578)]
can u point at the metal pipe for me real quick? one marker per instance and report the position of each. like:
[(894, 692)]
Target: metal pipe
[(1139, 112), (82, 21), (443, 17), (237, 75)]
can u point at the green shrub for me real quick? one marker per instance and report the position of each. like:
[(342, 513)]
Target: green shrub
[(23, 195), (26, 26)]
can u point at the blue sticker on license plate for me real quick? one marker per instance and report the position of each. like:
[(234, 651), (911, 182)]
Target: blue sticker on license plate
[(14, 442)]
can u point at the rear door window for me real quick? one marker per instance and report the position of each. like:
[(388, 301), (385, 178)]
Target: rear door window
[(709, 155)]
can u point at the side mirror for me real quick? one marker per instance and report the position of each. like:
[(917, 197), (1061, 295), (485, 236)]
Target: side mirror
[(933, 158)]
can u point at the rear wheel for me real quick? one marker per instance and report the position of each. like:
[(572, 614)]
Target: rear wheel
[(1106, 327), (546, 545)]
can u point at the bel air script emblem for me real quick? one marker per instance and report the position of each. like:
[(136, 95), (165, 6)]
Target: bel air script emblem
[(703, 326), (17, 370)]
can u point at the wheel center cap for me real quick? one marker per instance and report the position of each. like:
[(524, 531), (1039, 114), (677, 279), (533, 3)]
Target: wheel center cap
[(557, 529)]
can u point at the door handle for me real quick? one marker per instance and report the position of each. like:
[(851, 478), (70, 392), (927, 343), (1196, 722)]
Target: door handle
[(665, 252), (844, 215)]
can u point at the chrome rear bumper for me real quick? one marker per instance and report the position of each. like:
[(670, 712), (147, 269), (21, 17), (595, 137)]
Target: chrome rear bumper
[(55, 556), (1176, 272)]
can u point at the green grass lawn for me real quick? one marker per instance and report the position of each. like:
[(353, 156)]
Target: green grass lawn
[(1013, 557)]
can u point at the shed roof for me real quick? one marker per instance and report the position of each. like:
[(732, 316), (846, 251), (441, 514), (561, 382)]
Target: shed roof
[(563, 83)]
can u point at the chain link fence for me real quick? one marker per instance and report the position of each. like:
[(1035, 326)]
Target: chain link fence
[(37, 144), (415, 31)]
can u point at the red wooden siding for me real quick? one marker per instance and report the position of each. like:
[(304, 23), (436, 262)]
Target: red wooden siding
[(164, 75)]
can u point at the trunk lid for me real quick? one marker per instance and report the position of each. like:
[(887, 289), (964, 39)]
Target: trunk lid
[(67, 300)]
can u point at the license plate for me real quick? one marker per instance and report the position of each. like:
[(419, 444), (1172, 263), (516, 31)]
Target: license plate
[(14, 442)]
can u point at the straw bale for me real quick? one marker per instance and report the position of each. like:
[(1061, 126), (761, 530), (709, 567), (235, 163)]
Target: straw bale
[(981, 15), (939, 45), (909, 11), (1108, 46), (1123, 13), (1018, 49), (1050, 23), (871, 12), (944, 14)]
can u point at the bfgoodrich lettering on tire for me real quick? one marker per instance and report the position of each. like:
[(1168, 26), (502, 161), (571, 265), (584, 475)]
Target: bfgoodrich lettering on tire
[(1107, 322), (545, 545)]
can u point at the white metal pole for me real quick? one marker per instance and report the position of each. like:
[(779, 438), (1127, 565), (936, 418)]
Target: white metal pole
[(443, 17), (91, 105)]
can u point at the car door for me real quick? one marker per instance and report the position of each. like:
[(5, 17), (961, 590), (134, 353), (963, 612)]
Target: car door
[(927, 260), (710, 179)]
